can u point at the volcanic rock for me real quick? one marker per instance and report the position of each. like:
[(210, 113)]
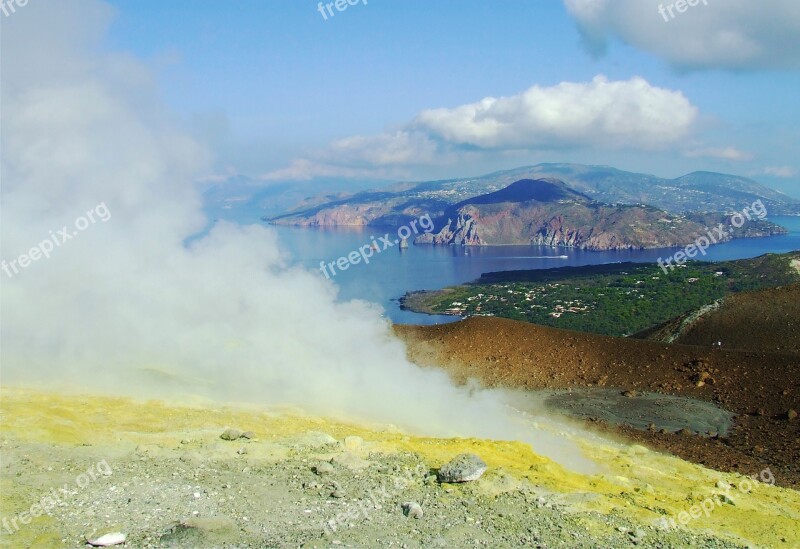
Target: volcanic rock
[(231, 434), (412, 509), (462, 468), (323, 468)]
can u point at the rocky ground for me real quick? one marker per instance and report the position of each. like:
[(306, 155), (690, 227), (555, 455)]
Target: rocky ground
[(164, 477), (162, 501), (766, 320), (761, 389)]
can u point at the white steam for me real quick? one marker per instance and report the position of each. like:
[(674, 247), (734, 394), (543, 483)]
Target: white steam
[(124, 305)]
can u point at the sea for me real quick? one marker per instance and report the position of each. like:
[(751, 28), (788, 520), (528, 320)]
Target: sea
[(391, 272)]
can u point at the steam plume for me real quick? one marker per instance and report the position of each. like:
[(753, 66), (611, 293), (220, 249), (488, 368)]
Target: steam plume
[(124, 305)]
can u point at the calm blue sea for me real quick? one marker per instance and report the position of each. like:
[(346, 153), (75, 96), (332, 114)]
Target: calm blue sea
[(392, 272)]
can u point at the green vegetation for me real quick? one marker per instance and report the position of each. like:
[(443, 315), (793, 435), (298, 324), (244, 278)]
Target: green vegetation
[(619, 299)]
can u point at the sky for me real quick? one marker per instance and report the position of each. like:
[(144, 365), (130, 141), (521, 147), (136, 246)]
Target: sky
[(282, 90)]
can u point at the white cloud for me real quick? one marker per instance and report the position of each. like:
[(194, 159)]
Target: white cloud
[(604, 114), (722, 153), (780, 171), (729, 34), (401, 147), (629, 113)]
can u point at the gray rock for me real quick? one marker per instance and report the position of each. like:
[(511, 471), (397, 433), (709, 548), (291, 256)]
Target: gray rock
[(412, 509), (231, 434), (323, 468), (248, 435), (316, 439), (462, 468), (107, 540)]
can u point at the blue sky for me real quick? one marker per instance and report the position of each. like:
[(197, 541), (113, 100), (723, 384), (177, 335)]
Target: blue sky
[(267, 83)]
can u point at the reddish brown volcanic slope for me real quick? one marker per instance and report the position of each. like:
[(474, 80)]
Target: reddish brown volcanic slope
[(767, 319), (759, 387)]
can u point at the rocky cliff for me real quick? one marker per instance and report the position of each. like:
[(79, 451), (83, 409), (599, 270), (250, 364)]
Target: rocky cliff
[(547, 212)]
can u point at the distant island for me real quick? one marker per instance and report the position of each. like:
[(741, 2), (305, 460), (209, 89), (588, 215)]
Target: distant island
[(547, 212), (587, 207)]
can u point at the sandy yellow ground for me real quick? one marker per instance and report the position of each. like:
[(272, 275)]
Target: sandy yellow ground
[(637, 483)]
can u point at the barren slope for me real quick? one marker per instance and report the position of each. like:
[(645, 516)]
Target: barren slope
[(759, 387), (761, 320)]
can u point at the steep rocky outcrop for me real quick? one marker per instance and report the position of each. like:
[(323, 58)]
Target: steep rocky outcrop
[(542, 211), (547, 212)]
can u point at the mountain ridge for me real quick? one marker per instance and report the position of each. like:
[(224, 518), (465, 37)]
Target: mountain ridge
[(399, 203), (548, 212)]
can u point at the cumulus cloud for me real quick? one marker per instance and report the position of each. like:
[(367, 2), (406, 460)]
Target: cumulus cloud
[(630, 113), (128, 307), (729, 34), (601, 113)]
